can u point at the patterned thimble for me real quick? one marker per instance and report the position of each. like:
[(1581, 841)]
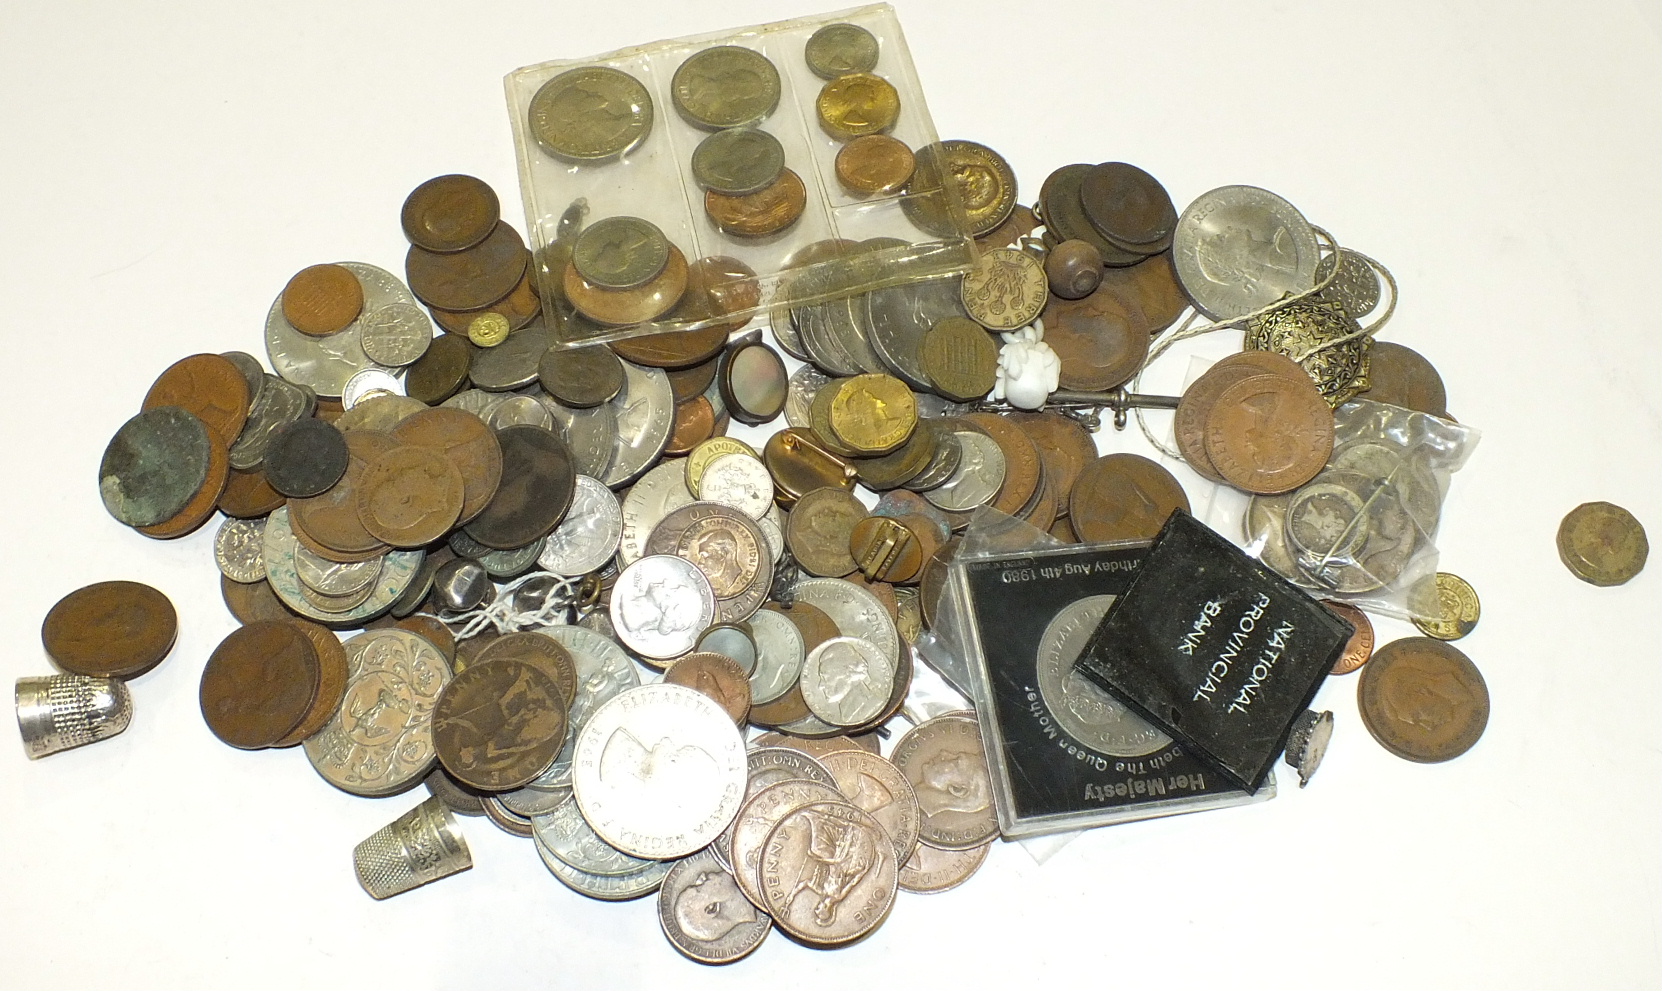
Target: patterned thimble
[(422, 845), (70, 710)]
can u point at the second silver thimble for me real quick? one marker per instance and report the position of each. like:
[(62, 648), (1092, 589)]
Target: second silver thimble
[(422, 845), (70, 710)]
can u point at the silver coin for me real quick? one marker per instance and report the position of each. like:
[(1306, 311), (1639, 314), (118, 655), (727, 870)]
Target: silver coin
[(705, 915), (660, 771), (1356, 288), (847, 681), (783, 322), (660, 605), (396, 334), (733, 642), (779, 656), (978, 478), (1327, 519), (369, 382), (900, 317), (590, 433), (645, 409), (251, 370), (857, 613), (567, 835), (476, 401), (1414, 483), (398, 570), (1086, 712), (335, 605), (381, 739), (1240, 248), (497, 563), (323, 364), (239, 550), (512, 364), (772, 525), (804, 384), (537, 799), (1265, 523), (588, 537), (660, 492), (521, 410), (332, 578), (949, 454), (279, 403), (609, 889), (739, 481)]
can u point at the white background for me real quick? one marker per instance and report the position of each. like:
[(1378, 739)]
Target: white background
[(167, 168)]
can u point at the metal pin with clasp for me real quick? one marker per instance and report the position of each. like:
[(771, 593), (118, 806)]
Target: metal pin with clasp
[(1084, 406)]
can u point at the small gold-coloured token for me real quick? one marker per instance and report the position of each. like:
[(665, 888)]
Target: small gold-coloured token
[(590, 114), (873, 414), (759, 214), (1005, 290), (960, 359), (725, 86), (322, 299), (487, 330), (1602, 544), (856, 104), (838, 49), (875, 163), (1452, 603), (707, 452)]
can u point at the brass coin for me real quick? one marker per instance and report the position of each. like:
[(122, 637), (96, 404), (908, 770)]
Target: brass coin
[(1005, 290), (539, 650), (253, 602), (985, 183), (960, 358), (857, 104), (248, 495), (449, 213), (819, 419), (322, 299), (203, 502), (1064, 445), (1269, 433), (1123, 497), (738, 161), (519, 308), (799, 463), (1073, 269), (717, 676), (580, 377), (1101, 340), (209, 386), (1151, 286), (1402, 377), (410, 496), (471, 279), (695, 421), (442, 371), (468, 443), (1423, 700), (1129, 207), (590, 114), (905, 462), (116, 629), (334, 670), (1452, 603), (487, 330), (624, 307), (259, 683), (759, 214), (331, 517), (873, 414), (820, 528), (1360, 645), (886, 549), (725, 86), (498, 725), (874, 164), (839, 49), (708, 451), (1602, 544), (538, 483), (620, 252)]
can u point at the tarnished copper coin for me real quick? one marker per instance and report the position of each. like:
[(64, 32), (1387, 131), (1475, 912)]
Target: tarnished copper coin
[(468, 443), (1402, 377), (442, 371), (1021, 223), (687, 383), (580, 377), (253, 602), (886, 549), (874, 164), (115, 629), (498, 725), (1152, 287), (450, 213), (333, 672), (471, 279), (1064, 445), (259, 684), (208, 385), (322, 299), (539, 650), (1360, 646), (331, 517), (1129, 207), (717, 676), (248, 495), (695, 421), (1101, 340), (1602, 544), (819, 529), (1423, 700), (203, 503), (433, 631), (759, 214), (1189, 425), (306, 457), (538, 482), (1123, 497), (623, 307), (1269, 433), (410, 496), (517, 309)]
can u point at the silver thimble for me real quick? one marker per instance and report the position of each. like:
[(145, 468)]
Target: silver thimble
[(70, 710), (422, 845)]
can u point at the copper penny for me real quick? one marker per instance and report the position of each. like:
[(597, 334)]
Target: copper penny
[(686, 383), (874, 163), (333, 672), (538, 650), (206, 499), (472, 279), (498, 724), (253, 602), (410, 496), (1101, 339), (433, 631), (450, 213), (673, 349), (1402, 377), (322, 299), (209, 386), (259, 684), (907, 461), (1423, 700), (248, 495), (1123, 497), (1269, 433), (1152, 287), (719, 286), (695, 421), (886, 550), (717, 676), (328, 553), (759, 214), (329, 409), (539, 480), (115, 629), (1360, 646), (519, 308), (819, 530), (331, 518), (1189, 425), (782, 711), (1021, 223), (1065, 446), (306, 457), (1021, 461), (625, 307), (468, 651), (811, 621), (468, 443), (1062, 530), (580, 377)]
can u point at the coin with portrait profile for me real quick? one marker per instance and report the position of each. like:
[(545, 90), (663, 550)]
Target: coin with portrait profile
[(1423, 700), (943, 760), (839, 49), (660, 604), (1602, 544), (705, 916), (873, 164), (738, 161), (590, 114), (857, 104), (725, 86), (846, 681)]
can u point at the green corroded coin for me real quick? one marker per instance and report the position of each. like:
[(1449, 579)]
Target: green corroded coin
[(590, 114), (725, 86), (738, 161), (620, 252), (155, 463), (839, 49)]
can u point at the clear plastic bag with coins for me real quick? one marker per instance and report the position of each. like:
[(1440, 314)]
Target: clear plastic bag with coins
[(686, 186)]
